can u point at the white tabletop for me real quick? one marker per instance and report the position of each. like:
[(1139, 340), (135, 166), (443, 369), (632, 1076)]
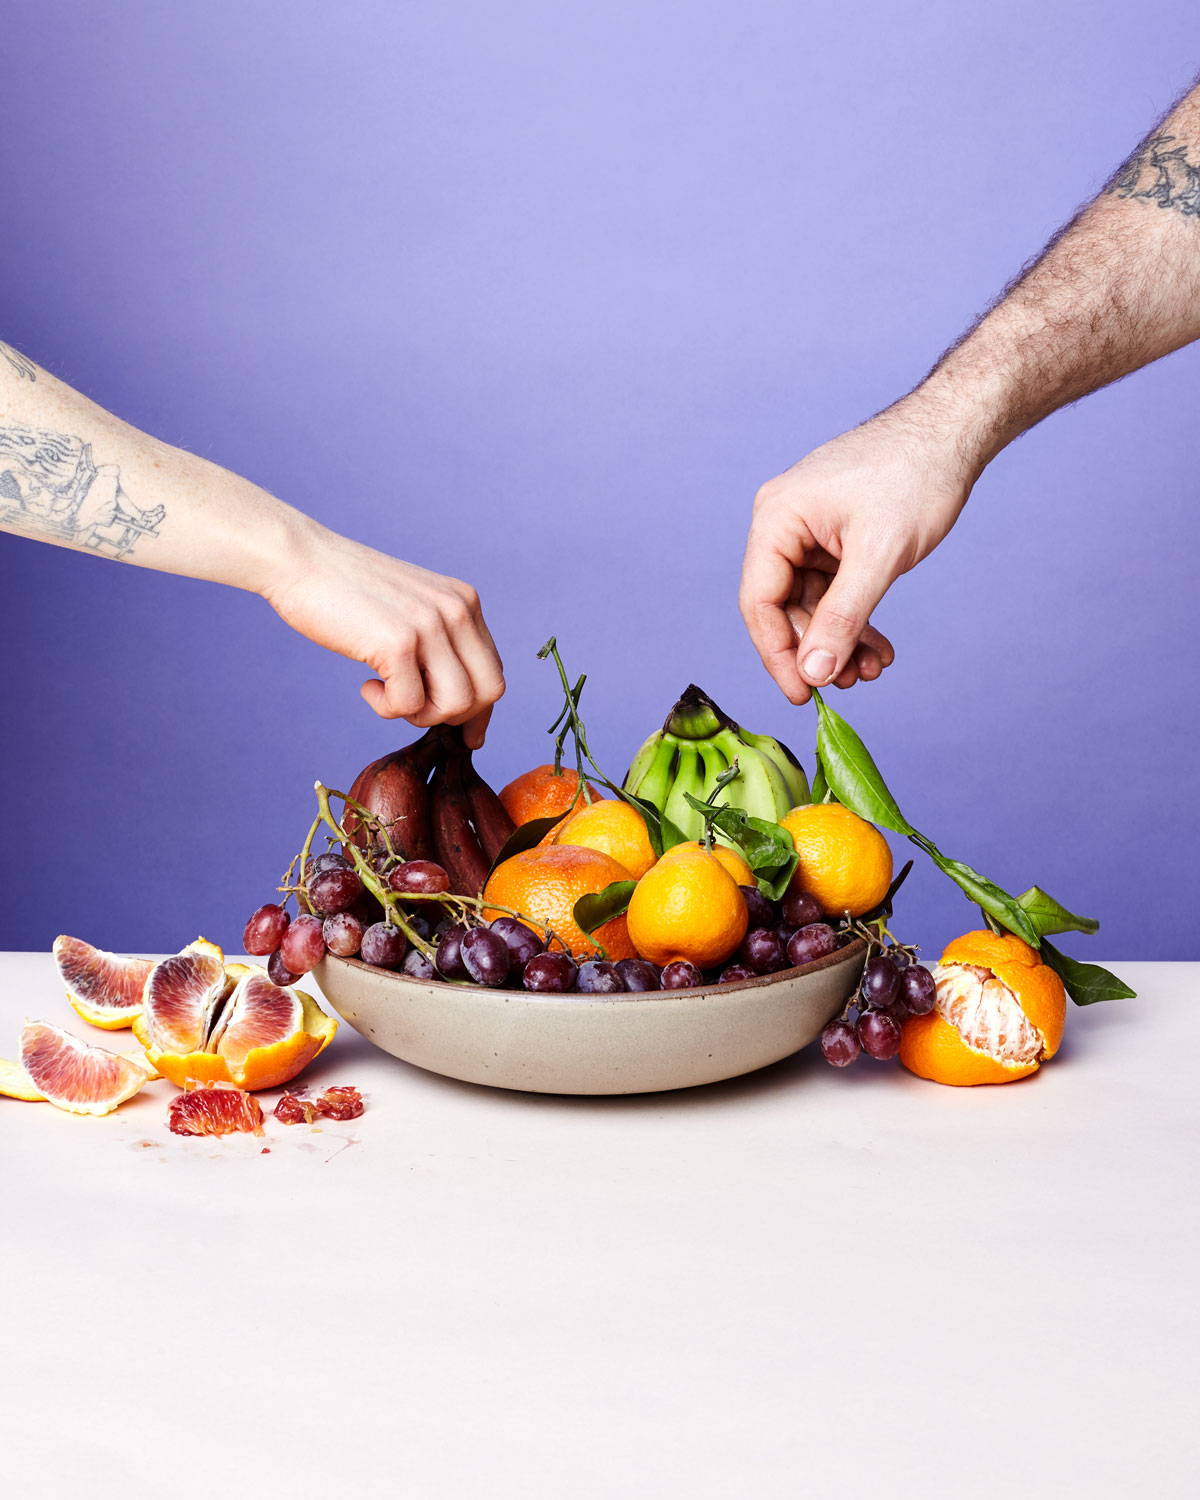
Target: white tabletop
[(806, 1282)]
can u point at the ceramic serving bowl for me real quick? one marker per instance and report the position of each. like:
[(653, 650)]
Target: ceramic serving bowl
[(591, 1044)]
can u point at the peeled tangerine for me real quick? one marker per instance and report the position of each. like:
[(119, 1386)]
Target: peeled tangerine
[(105, 988), (997, 1016), (203, 1022)]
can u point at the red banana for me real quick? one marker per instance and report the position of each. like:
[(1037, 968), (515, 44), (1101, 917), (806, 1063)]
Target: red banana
[(456, 847)]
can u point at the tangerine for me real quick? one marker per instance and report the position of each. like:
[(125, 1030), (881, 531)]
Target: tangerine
[(543, 885), (998, 1014), (615, 828), (543, 792), (845, 864), (689, 908)]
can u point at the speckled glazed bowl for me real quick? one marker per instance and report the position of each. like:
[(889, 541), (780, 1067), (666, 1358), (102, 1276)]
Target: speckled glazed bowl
[(591, 1044)]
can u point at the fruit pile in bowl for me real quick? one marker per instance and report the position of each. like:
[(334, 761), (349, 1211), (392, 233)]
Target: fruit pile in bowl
[(711, 912)]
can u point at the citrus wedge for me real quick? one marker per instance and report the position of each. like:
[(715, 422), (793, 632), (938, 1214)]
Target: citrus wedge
[(105, 988), (182, 998), (74, 1076)]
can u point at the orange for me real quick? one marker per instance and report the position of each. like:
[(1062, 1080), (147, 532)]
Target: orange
[(205, 1023), (687, 907), (845, 863), (729, 858), (998, 1014), (615, 828), (541, 793), (543, 885)]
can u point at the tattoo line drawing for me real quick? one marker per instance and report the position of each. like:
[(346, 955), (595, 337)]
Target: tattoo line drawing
[(1162, 176), (24, 367), (50, 486)]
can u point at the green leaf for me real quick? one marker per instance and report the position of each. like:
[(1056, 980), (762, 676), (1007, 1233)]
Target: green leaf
[(852, 775), (986, 894), (820, 787), (592, 911), (1087, 984), (527, 836), (1047, 915), (765, 846)]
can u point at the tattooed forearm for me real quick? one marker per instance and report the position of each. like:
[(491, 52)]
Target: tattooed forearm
[(25, 368), (1160, 172), (50, 487)]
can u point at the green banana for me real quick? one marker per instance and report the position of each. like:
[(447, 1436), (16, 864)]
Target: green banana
[(790, 768), (689, 779), (696, 744), (759, 789)]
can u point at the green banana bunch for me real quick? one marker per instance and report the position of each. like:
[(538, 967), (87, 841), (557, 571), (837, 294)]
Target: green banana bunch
[(698, 743)]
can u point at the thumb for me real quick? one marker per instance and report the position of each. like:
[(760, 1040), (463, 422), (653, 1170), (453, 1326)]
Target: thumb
[(862, 579)]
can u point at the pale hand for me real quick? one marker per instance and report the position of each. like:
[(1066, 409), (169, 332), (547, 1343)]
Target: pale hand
[(830, 536), (423, 634)]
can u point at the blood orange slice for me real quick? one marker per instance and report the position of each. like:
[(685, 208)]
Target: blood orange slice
[(217, 1110), (259, 1014), (105, 988), (76, 1077), (15, 1082), (183, 997)]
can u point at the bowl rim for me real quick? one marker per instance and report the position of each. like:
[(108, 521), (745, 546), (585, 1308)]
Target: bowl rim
[(855, 948)]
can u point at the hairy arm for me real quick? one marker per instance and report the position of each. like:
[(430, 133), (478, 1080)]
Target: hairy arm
[(74, 475), (1117, 288)]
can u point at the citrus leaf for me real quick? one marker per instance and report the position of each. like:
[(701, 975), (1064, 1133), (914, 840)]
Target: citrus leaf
[(852, 775), (986, 894), (765, 846), (592, 911), (1087, 984), (526, 836), (1047, 915), (820, 787)]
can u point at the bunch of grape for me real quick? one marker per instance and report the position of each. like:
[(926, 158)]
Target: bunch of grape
[(893, 987), (346, 920)]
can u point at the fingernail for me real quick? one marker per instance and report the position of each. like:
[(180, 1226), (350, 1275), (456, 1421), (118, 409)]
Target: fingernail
[(819, 666)]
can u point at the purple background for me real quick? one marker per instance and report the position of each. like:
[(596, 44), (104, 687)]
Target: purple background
[(537, 294)]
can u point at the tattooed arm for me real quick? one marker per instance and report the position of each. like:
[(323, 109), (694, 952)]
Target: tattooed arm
[(73, 474), (1117, 288)]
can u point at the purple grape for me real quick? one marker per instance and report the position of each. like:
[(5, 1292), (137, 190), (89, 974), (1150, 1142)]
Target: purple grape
[(549, 974), (762, 951), (330, 860), (383, 945), (421, 923), (421, 877), (449, 952), (343, 934), (879, 1035), (810, 943), (417, 966), (278, 972), (880, 982), (265, 929), (303, 946), (521, 942), (596, 977), (681, 975), (840, 1044), (799, 909), (485, 956), (762, 912), (333, 891), (639, 974), (900, 958), (735, 974), (918, 990)]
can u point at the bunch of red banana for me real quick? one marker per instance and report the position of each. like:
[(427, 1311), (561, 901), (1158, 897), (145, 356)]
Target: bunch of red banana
[(434, 805)]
